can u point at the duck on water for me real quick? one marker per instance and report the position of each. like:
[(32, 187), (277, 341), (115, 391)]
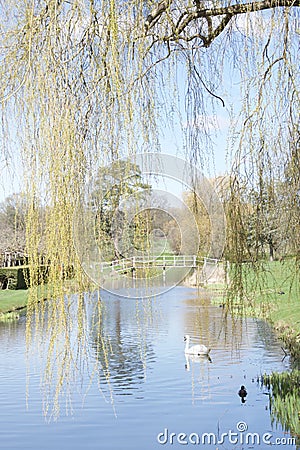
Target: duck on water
[(243, 394)]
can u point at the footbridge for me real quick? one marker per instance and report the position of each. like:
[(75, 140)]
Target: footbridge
[(161, 262)]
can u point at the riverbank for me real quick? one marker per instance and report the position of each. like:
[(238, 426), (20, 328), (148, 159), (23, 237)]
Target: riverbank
[(13, 300), (271, 292)]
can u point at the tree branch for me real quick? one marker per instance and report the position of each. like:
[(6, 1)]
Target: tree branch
[(242, 8), (189, 16), (154, 16), (212, 34), (235, 10)]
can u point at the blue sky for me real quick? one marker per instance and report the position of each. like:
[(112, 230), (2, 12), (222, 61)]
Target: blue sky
[(171, 139), (171, 142)]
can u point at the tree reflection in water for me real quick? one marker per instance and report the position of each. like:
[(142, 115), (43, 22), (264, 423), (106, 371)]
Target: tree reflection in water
[(78, 338), (125, 329), (57, 341), (284, 400)]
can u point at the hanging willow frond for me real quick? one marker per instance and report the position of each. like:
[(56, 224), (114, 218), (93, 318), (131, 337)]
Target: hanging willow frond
[(84, 82)]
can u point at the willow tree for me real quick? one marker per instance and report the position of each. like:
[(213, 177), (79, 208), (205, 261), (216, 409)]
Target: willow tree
[(84, 82)]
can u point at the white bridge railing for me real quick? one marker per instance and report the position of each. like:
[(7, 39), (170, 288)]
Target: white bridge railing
[(161, 261)]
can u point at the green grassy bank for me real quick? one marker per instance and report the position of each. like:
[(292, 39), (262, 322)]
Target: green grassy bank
[(270, 291), (279, 301), (12, 300)]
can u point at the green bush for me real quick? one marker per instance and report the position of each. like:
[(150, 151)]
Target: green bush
[(13, 277)]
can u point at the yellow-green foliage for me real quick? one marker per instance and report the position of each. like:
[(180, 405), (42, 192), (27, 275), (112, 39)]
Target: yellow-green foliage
[(85, 82), (285, 399), (9, 316)]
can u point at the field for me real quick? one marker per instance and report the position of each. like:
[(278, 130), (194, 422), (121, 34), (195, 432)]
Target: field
[(11, 300), (273, 290)]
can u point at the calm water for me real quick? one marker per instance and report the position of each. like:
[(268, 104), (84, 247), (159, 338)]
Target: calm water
[(132, 382)]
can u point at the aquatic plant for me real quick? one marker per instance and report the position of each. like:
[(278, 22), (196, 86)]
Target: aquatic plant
[(9, 316), (284, 404)]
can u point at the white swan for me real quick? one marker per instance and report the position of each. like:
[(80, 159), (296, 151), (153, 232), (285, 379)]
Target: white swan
[(199, 349)]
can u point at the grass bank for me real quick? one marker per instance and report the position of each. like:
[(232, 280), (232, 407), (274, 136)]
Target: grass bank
[(279, 301), (13, 300), (270, 291)]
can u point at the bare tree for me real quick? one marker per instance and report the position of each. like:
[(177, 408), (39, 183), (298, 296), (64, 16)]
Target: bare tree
[(13, 223)]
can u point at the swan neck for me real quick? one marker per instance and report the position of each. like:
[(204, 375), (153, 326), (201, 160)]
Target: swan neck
[(187, 344)]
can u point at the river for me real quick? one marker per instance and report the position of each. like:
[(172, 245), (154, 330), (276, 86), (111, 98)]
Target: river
[(128, 385)]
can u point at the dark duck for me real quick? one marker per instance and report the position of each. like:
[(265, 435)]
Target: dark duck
[(243, 394)]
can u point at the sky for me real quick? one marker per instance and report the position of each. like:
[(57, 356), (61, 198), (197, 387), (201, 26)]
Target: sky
[(171, 141), (218, 124)]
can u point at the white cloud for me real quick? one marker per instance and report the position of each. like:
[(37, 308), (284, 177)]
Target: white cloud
[(258, 24), (209, 122)]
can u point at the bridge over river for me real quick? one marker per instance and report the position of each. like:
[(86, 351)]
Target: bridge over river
[(154, 272), (162, 262)]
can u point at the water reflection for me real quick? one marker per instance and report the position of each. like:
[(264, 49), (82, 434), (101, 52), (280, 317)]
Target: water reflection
[(132, 350), (12, 332), (128, 352), (212, 326), (147, 285), (200, 359)]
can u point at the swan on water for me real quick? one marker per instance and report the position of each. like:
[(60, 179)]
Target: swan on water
[(199, 349)]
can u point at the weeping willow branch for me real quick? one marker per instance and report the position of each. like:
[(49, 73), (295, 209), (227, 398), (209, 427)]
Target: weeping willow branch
[(208, 90), (225, 14), (83, 83)]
